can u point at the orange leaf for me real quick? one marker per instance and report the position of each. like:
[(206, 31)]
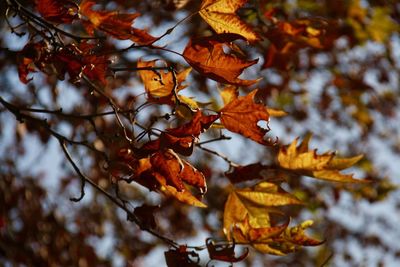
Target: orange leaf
[(58, 11), (220, 15), (118, 25), (207, 56), (242, 114), (159, 84), (196, 126), (169, 166), (176, 171)]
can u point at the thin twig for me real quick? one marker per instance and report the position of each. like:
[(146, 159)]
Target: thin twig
[(131, 216), (222, 156), (17, 7)]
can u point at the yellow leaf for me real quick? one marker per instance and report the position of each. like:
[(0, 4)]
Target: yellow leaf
[(325, 166), (220, 15), (229, 94), (382, 25), (276, 240), (184, 196), (256, 203), (160, 83), (276, 112)]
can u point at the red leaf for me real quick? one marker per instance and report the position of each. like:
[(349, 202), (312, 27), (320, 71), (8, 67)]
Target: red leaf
[(225, 252), (58, 11)]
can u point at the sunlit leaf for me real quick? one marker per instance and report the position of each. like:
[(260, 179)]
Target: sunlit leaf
[(116, 24), (207, 56), (242, 115), (257, 203), (220, 15), (160, 83), (307, 162)]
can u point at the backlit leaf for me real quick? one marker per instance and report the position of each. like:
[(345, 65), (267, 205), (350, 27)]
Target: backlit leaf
[(57, 11), (207, 56), (277, 240), (160, 83), (116, 24), (325, 166), (242, 115), (220, 15), (256, 203)]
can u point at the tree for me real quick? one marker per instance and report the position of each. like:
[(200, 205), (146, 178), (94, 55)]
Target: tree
[(142, 128)]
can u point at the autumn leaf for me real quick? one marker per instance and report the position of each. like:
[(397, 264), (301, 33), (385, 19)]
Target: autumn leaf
[(165, 172), (224, 252), (182, 138), (256, 203), (207, 56), (77, 60), (275, 240), (57, 11), (195, 127), (325, 166), (183, 196), (242, 114), (171, 172), (220, 15), (118, 25), (160, 83)]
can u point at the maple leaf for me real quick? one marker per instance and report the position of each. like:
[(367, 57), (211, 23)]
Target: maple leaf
[(165, 172), (160, 84), (180, 139), (242, 114), (171, 172), (58, 11), (276, 240), (256, 203), (325, 166), (220, 15), (207, 56), (118, 25)]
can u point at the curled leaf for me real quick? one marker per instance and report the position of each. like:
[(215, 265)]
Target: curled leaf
[(224, 252)]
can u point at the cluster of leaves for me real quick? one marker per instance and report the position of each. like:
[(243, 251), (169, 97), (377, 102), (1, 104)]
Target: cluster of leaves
[(78, 40)]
